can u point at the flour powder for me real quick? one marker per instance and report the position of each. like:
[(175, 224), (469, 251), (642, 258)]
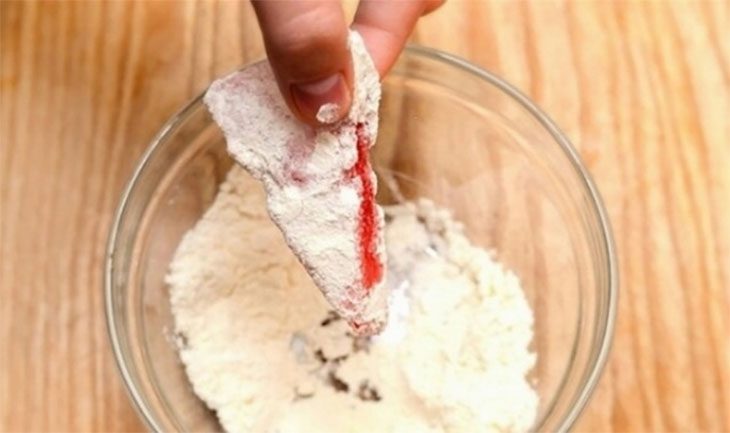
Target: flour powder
[(264, 349)]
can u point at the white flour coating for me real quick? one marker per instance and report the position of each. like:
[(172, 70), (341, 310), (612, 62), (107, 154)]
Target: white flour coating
[(311, 197), (327, 113), (264, 350)]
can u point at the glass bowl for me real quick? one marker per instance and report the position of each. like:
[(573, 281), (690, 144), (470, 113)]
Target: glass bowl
[(450, 132)]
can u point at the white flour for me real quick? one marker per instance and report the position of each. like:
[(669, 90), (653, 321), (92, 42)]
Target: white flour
[(328, 113), (320, 185), (264, 350)]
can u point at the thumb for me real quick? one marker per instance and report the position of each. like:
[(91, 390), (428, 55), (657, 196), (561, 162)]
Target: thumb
[(306, 42)]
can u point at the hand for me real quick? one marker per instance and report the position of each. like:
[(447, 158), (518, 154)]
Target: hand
[(306, 41)]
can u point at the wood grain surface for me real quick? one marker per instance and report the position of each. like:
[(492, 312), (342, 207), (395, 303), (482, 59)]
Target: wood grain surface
[(641, 88)]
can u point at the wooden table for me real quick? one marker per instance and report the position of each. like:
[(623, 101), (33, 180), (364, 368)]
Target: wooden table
[(642, 89)]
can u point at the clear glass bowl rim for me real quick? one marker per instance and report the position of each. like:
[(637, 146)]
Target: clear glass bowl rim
[(605, 327)]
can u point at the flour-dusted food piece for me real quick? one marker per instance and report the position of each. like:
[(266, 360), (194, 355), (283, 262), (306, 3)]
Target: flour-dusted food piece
[(319, 182)]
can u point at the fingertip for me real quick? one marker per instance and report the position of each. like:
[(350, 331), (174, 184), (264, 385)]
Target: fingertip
[(306, 42), (386, 26), (321, 102), (382, 46)]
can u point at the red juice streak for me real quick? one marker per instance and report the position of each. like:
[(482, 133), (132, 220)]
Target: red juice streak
[(370, 265)]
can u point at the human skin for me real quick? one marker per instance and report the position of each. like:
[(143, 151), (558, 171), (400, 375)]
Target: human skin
[(306, 42)]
